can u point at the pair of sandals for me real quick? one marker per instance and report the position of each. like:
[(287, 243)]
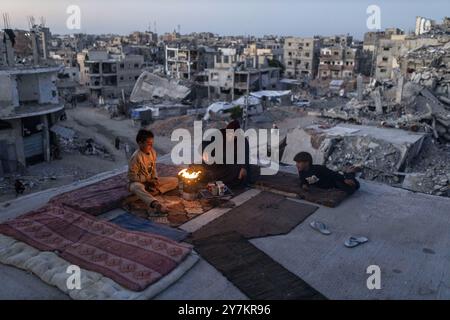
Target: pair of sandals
[(351, 242)]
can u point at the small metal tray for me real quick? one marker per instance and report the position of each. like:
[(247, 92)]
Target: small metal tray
[(206, 194)]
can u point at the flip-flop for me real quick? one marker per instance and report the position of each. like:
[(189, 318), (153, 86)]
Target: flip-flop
[(355, 241), (321, 227)]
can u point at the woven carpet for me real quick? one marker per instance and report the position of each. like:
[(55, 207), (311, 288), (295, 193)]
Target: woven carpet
[(133, 259)]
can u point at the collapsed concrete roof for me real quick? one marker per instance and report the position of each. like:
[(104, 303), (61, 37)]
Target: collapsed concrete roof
[(150, 86), (375, 149)]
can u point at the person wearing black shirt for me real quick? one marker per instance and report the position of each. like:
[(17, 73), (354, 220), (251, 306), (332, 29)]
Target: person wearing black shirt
[(322, 177), (234, 174)]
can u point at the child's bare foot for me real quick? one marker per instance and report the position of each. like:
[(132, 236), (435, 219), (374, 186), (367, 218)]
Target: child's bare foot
[(158, 210)]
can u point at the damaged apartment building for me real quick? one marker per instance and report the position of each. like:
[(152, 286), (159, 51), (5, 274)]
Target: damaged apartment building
[(392, 46), (235, 75), (337, 62), (301, 57), (265, 50), (186, 62), (109, 75), (29, 106)]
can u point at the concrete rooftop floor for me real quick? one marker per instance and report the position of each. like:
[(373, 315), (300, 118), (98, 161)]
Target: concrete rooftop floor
[(409, 241)]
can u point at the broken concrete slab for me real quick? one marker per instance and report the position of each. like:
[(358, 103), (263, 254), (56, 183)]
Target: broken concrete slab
[(149, 85), (316, 143), (399, 91), (382, 153), (376, 95), (415, 182)]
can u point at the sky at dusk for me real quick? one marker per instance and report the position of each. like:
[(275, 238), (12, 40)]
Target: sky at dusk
[(225, 17)]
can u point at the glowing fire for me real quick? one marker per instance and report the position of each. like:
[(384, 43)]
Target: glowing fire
[(189, 175)]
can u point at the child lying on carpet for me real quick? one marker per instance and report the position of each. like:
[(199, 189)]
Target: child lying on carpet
[(322, 177), (142, 176)]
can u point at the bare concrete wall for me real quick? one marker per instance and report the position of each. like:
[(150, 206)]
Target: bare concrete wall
[(8, 90)]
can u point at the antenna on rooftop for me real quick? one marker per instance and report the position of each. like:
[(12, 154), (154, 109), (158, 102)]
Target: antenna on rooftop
[(154, 27), (31, 22), (6, 21)]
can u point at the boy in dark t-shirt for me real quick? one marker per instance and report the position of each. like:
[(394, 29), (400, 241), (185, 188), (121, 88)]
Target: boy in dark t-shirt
[(322, 177)]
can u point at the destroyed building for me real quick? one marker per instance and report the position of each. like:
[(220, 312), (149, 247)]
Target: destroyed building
[(390, 50), (416, 99), (231, 77), (337, 62), (108, 75), (29, 107), (390, 47), (187, 61), (264, 52)]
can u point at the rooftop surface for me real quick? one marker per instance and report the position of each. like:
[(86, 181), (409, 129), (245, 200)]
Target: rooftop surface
[(408, 240), (29, 110)]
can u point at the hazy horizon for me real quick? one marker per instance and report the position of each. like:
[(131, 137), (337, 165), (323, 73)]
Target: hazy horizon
[(225, 17)]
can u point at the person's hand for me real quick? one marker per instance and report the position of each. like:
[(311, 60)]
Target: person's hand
[(242, 174), (350, 182), (312, 179), (152, 184)]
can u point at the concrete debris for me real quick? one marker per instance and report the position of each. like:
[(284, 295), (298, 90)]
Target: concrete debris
[(419, 101), (86, 147), (420, 110), (433, 167), (379, 159), (309, 140), (382, 153), (150, 86)]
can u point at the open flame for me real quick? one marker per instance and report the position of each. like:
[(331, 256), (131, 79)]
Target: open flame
[(189, 175)]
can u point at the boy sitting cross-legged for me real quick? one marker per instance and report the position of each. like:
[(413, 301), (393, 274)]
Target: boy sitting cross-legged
[(142, 176)]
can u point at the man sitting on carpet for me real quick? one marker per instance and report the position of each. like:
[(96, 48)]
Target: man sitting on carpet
[(234, 174), (143, 179), (320, 176)]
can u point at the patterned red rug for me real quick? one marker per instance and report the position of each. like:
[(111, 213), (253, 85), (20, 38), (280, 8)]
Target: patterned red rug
[(133, 259), (105, 195)]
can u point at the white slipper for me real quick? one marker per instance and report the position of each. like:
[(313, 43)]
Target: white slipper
[(321, 227), (355, 241)]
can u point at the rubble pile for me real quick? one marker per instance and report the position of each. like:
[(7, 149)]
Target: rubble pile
[(151, 86), (430, 172), (418, 101), (84, 146), (419, 104), (432, 68), (378, 159), (421, 111)]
